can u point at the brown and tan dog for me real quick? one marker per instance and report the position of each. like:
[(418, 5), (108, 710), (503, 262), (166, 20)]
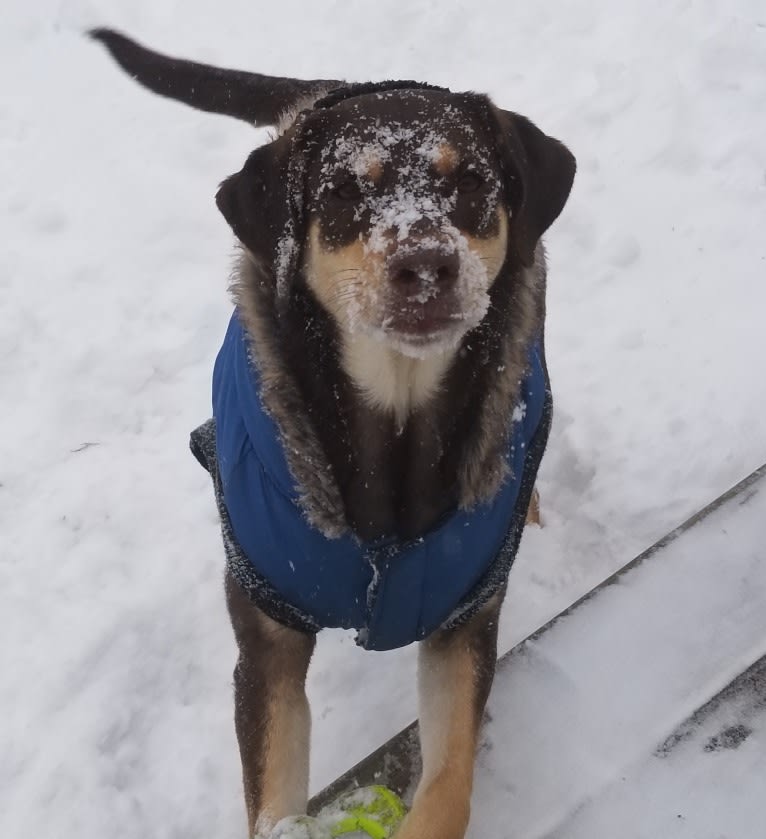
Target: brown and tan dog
[(391, 287)]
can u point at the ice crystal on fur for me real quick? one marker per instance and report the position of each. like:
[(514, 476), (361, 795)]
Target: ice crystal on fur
[(286, 250)]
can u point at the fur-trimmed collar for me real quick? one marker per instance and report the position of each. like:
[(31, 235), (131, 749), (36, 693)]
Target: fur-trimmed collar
[(483, 465)]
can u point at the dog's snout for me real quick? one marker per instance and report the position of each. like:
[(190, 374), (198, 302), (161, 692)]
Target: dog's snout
[(410, 271)]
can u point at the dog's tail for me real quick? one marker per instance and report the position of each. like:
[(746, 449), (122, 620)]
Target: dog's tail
[(257, 99)]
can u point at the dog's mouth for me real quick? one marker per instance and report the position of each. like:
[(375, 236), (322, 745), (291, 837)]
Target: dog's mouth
[(424, 322), (428, 314), (419, 329)]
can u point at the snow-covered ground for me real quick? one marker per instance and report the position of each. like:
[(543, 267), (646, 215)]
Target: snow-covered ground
[(603, 726), (115, 705)]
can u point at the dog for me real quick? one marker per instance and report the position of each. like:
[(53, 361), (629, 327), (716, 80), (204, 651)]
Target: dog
[(381, 399)]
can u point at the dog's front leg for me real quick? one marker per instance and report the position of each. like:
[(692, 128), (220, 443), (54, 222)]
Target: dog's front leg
[(271, 712), (455, 673)]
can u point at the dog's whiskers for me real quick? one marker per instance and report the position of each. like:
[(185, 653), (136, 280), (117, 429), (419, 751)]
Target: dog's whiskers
[(348, 291), (491, 261)]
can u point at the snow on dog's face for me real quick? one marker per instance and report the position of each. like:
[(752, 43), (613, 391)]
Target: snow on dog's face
[(407, 225), (405, 214)]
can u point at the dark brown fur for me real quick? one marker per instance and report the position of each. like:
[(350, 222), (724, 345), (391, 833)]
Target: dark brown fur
[(360, 468)]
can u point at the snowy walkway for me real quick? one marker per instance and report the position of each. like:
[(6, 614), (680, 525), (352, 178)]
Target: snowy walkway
[(588, 737)]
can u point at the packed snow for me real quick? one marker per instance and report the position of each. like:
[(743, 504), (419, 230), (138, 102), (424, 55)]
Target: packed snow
[(117, 654)]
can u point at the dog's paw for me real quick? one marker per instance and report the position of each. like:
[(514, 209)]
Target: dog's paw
[(298, 827), (373, 812)]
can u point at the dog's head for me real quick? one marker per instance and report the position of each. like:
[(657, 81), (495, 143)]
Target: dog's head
[(397, 205)]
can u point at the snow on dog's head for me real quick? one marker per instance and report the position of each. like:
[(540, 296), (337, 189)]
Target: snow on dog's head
[(408, 214), (406, 227)]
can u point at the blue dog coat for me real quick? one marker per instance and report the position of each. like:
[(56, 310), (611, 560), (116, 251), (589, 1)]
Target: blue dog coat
[(392, 593)]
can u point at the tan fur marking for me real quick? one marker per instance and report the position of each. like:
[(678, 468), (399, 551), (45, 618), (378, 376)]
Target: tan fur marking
[(446, 160), (271, 712), (286, 762), (492, 249), (447, 715), (285, 781), (340, 275), (533, 511), (374, 170), (451, 706)]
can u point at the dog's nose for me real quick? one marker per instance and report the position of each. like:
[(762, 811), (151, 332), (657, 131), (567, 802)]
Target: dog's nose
[(409, 272)]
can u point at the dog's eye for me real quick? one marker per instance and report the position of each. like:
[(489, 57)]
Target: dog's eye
[(469, 182), (348, 191)]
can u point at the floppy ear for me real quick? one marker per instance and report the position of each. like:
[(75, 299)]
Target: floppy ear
[(257, 99), (539, 175), (262, 204)]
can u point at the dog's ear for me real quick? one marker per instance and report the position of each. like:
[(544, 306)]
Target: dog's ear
[(262, 204), (257, 99), (540, 171)]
